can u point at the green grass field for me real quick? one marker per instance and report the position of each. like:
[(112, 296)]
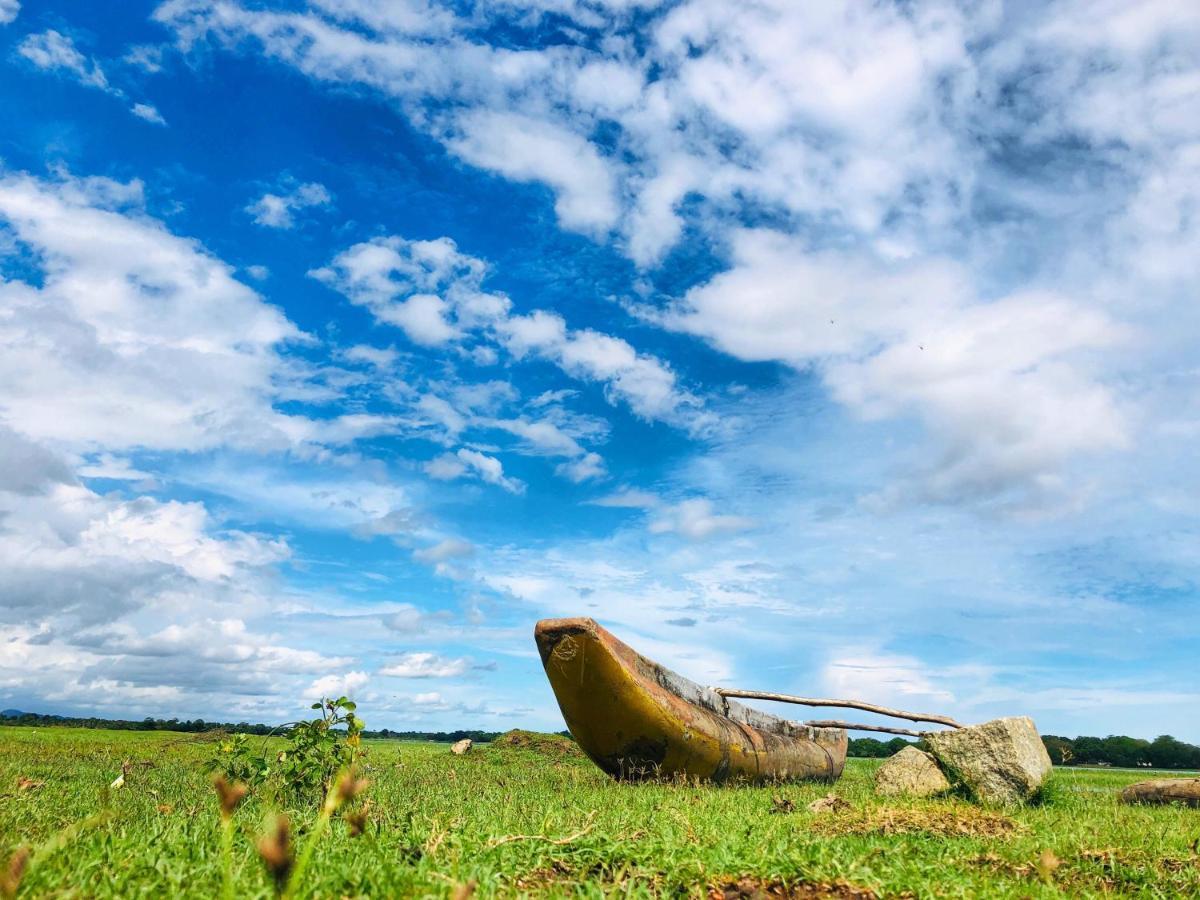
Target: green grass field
[(527, 822)]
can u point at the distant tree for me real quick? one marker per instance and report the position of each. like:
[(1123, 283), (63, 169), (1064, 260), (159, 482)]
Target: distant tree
[(1165, 752), (870, 748), (1090, 750), (1060, 749), (1122, 750)]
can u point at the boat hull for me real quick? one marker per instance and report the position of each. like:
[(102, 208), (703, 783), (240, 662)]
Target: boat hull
[(636, 719)]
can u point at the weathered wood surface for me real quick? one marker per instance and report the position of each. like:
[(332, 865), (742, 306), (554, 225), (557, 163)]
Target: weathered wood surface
[(636, 719), (858, 726), (1162, 791)]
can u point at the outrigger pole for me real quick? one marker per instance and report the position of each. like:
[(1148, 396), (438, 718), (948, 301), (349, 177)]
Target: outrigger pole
[(851, 726), (844, 704)]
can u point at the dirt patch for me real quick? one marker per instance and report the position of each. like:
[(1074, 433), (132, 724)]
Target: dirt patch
[(760, 889), (545, 744), (965, 822)]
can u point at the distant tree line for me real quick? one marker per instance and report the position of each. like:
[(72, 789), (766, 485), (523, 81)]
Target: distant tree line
[(1164, 752), (870, 748), (16, 717), (445, 737)]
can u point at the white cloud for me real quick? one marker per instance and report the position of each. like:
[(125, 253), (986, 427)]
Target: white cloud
[(627, 498), (346, 684), (588, 467), (696, 520), (9, 10), (134, 604), (105, 465), (527, 149), (171, 533), (879, 678), (434, 293), (146, 57), (53, 51), (278, 210), (835, 113), (1005, 386), (645, 383), (883, 140), (339, 497), (135, 337), (488, 469), (448, 549), (406, 618), (148, 112), (446, 467), (376, 357), (427, 288), (540, 437), (426, 665), (549, 398)]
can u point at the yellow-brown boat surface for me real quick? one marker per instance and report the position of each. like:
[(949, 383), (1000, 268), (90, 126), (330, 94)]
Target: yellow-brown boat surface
[(636, 719)]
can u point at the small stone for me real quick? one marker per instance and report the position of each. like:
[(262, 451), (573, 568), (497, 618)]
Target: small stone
[(1161, 791), (911, 773), (461, 747), (1003, 761)]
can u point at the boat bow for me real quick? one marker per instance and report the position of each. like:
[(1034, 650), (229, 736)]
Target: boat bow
[(635, 719)]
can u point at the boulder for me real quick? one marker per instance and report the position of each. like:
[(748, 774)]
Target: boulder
[(911, 773), (460, 747), (1185, 791), (1001, 762)]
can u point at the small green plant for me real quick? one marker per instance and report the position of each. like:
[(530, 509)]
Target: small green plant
[(237, 762), (316, 750), (321, 748)]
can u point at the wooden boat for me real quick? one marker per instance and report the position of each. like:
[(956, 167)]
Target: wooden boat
[(636, 719)]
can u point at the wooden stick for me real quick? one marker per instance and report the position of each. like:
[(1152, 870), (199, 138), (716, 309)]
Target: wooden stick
[(887, 729), (847, 704), (557, 842)]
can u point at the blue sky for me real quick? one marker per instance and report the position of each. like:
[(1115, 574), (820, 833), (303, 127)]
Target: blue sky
[(844, 351)]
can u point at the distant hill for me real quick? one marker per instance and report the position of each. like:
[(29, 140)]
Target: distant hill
[(10, 713)]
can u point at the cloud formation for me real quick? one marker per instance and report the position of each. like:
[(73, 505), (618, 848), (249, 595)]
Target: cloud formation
[(435, 294), (879, 141), (53, 51), (426, 665), (279, 210), (134, 337)]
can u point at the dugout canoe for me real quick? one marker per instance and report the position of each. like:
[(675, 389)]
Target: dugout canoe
[(636, 719)]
